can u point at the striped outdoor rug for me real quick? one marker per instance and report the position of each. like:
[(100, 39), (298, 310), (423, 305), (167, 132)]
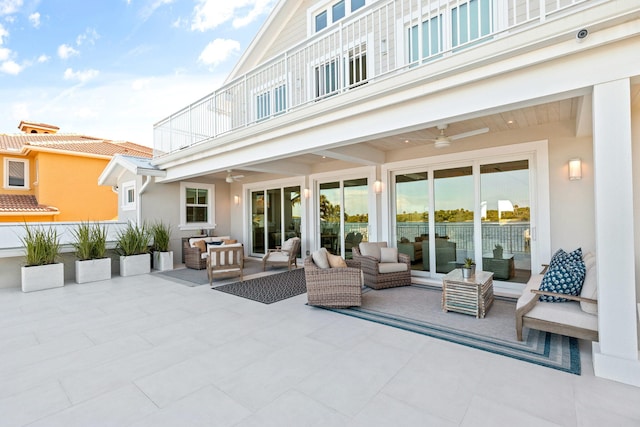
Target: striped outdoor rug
[(269, 289), (417, 308)]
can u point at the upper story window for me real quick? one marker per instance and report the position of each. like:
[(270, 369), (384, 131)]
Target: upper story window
[(334, 11), (128, 196), (197, 205), (16, 174)]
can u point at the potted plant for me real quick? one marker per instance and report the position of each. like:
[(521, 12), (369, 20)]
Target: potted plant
[(162, 256), (90, 244), (497, 251), (133, 247), (42, 271), (468, 269)]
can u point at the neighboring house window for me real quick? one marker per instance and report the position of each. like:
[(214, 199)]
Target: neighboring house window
[(326, 79), (16, 174), (197, 205), (337, 11), (129, 196)]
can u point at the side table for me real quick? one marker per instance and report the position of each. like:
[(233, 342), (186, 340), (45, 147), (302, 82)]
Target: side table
[(469, 296)]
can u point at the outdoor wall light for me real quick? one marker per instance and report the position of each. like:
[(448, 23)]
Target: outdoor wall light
[(307, 193), (575, 169), (236, 199), (377, 187)]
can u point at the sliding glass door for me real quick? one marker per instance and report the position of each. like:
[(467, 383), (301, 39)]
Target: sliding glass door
[(275, 217)]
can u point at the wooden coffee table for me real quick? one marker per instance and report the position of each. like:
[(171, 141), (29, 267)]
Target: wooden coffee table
[(469, 296)]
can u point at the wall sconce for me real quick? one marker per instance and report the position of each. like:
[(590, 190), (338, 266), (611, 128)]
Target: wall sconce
[(377, 187), (236, 199), (575, 169), (307, 193)]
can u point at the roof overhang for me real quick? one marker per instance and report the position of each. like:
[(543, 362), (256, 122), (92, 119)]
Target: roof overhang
[(120, 163)]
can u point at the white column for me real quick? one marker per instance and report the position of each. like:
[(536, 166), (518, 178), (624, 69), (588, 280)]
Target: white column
[(615, 356)]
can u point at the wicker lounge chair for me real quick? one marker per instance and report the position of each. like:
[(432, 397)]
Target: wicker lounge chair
[(377, 278), (333, 287)]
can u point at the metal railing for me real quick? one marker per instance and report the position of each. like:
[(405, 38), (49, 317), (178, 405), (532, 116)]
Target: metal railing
[(379, 40)]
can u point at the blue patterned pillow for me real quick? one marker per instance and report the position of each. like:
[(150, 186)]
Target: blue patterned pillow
[(565, 276), (561, 257)]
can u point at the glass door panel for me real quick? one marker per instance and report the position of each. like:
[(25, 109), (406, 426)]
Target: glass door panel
[(505, 212), (257, 222), (412, 217), (453, 204), (292, 209), (274, 218), (356, 214), (330, 216)]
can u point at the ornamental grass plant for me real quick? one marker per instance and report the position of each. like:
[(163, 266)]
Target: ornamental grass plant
[(134, 240), (90, 241), (42, 245), (161, 233)]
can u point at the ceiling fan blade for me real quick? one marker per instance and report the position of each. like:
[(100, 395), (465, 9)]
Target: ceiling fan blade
[(468, 134)]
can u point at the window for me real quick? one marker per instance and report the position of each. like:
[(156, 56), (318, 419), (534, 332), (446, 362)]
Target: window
[(128, 196), (197, 208), (321, 21), (356, 4), (431, 37), (16, 174), (337, 11), (280, 98), (357, 65), (263, 102), (470, 21), (326, 79)]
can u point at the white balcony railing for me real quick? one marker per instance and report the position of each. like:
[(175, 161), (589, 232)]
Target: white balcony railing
[(384, 38)]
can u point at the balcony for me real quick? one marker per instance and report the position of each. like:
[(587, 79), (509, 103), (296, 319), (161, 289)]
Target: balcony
[(378, 41)]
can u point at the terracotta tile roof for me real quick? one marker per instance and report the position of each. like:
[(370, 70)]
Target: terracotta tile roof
[(74, 143), (23, 203)]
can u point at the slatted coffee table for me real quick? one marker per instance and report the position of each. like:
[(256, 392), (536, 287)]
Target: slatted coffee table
[(469, 296)]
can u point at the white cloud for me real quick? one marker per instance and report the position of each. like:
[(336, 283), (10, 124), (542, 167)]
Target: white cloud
[(140, 84), (3, 33), (34, 18), (150, 8), (11, 67), (89, 36), (4, 53), (209, 14), (43, 58), (218, 51), (65, 51), (7, 7), (81, 76)]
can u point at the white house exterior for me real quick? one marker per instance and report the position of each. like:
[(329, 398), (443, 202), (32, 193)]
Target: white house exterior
[(340, 104)]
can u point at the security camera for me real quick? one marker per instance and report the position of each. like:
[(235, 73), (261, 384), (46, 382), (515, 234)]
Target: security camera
[(582, 34)]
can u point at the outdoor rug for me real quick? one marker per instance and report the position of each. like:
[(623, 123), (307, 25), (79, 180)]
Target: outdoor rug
[(418, 309), (269, 289), (193, 277)]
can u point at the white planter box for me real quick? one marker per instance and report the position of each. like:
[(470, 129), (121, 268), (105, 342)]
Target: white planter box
[(39, 277), (92, 270), (135, 264), (163, 261)]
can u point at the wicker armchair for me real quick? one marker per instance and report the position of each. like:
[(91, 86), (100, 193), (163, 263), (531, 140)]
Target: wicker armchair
[(193, 257), (287, 255), (333, 287), (375, 279)]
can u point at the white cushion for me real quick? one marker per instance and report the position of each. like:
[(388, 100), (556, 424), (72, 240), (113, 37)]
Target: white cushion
[(372, 249), (388, 254), (590, 287), (527, 295), (392, 267), (566, 313), (320, 258), (287, 245)]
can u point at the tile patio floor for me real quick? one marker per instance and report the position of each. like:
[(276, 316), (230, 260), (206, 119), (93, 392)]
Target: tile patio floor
[(146, 351)]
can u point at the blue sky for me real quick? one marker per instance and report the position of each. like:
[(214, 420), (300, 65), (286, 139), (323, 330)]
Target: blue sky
[(112, 68)]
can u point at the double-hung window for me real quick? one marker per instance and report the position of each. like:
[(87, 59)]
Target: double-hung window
[(197, 206), (16, 174)]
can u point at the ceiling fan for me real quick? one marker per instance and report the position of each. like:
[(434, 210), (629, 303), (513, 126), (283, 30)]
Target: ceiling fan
[(232, 178), (444, 140)]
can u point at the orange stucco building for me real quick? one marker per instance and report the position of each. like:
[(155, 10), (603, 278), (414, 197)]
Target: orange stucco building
[(47, 176)]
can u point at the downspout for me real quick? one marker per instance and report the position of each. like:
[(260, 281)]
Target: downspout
[(144, 186)]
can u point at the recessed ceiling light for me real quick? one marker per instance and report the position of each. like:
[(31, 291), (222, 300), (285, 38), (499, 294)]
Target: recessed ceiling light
[(510, 122), (406, 141)]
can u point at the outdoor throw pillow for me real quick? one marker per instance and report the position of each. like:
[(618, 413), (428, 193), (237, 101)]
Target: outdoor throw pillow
[(201, 244), (388, 254), (565, 276), (229, 241), (320, 258), (561, 257), (336, 261)]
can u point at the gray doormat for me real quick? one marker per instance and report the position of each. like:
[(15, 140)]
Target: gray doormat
[(418, 309), (269, 289)]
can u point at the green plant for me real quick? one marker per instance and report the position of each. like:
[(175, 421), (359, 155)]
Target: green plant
[(90, 241), (134, 240), (161, 233), (42, 245), (468, 262), (499, 247)]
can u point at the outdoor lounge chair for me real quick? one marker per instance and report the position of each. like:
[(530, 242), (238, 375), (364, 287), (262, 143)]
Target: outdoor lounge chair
[(286, 255), (379, 272), (333, 287), (225, 260)]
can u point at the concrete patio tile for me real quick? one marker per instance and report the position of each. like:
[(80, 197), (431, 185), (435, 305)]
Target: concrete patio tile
[(295, 409), (31, 405), (490, 413), (120, 407), (608, 397), (206, 407), (384, 411), (18, 342)]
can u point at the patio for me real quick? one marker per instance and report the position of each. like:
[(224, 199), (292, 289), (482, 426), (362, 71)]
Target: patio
[(145, 350)]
